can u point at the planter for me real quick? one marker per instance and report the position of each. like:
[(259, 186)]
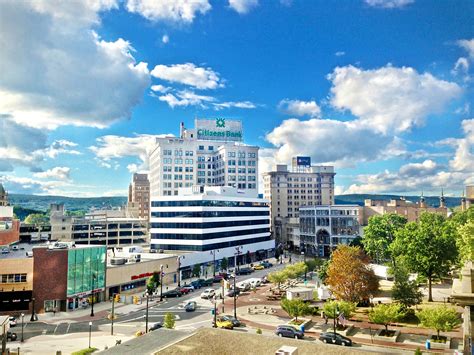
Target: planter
[(391, 337), (346, 332), (437, 345), (304, 322)]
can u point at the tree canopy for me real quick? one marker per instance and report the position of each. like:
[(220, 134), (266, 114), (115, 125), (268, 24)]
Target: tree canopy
[(277, 278), (385, 314), (428, 246), (440, 318), (333, 309), (295, 308), (380, 234), (404, 290), (37, 218), (349, 276)]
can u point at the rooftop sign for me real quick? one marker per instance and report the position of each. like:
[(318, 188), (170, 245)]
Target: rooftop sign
[(219, 129)]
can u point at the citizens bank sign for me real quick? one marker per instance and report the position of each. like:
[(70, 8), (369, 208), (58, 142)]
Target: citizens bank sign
[(219, 129)]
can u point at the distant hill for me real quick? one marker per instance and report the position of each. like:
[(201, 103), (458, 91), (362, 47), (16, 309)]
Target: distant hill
[(42, 203), (358, 199)]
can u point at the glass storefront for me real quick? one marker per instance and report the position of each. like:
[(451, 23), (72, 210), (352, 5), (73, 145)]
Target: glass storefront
[(86, 272)]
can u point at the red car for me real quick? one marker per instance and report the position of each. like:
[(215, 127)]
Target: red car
[(185, 290)]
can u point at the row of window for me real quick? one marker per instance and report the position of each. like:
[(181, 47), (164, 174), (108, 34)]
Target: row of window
[(207, 236), (241, 155), (209, 214), (207, 203), (205, 225), (209, 246), (178, 152), (242, 162), (12, 278)]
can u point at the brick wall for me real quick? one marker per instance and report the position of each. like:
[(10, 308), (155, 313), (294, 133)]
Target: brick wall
[(50, 276), (11, 235)]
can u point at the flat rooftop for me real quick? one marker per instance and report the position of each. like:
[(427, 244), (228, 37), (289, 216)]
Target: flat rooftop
[(23, 248)]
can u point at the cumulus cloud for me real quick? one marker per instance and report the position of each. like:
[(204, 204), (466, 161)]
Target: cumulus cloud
[(300, 108), (461, 66), (132, 168), (56, 173), (109, 148), (79, 79), (16, 184), (188, 74), (243, 6), (468, 45), (165, 39), (327, 141), (463, 159), (236, 104), (390, 99), (160, 88), (389, 4), (186, 98), (169, 10)]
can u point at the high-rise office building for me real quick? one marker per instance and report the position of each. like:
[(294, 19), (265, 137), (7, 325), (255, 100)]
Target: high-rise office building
[(211, 154), (139, 195), (287, 190)]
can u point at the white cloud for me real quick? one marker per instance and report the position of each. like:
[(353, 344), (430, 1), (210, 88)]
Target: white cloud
[(389, 4), (340, 53), (16, 184), (79, 79), (188, 74), (110, 148), (300, 108), (390, 99), (243, 6), (161, 88), (461, 66), (56, 173), (165, 39), (463, 159), (186, 98), (132, 168), (328, 141), (169, 10), (468, 45), (427, 176), (237, 104)]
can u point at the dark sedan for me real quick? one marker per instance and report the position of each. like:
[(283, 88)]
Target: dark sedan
[(232, 292), (156, 326), (11, 336), (244, 271), (190, 306), (235, 321), (335, 338), (172, 293), (289, 332)]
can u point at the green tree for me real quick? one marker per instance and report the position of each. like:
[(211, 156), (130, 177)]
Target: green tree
[(323, 271), (440, 318), (224, 263), (153, 282), (385, 314), (380, 234), (296, 270), (428, 247), (314, 264), (196, 270), (169, 320), (277, 278), (404, 290), (36, 219), (465, 241), (333, 309), (295, 308), (349, 276)]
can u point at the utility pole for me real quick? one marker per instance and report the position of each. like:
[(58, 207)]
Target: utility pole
[(235, 298), (113, 315), (146, 319), (161, 283)]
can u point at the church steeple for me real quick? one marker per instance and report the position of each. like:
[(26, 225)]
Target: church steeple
[(3, 196), (463, 201), (422, 201), (442, 200)]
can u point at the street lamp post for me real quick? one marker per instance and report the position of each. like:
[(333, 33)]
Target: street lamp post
[(33, 318), (161, 283), (236, 255), (213, 252), (304, 259), (22, 326), (179, 271), (146, 314), (90, 333), (92, 295), (215, 312), (113, 315), (235, 298)]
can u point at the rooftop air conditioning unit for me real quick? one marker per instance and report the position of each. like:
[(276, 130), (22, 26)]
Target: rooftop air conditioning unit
[(118, 261)]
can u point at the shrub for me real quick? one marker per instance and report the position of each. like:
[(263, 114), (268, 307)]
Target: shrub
[(169, 321), (259, 331), (84, 351)]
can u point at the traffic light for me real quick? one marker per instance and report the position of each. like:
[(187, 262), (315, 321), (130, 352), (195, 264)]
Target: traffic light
[(117, 297)]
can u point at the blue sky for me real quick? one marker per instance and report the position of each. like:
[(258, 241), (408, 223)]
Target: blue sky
[(382, 89)]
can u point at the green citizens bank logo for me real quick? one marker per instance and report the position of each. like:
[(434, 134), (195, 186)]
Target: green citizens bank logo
[(220, 122)]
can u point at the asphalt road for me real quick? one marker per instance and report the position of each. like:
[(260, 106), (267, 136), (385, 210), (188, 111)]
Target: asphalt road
[(156, 313)]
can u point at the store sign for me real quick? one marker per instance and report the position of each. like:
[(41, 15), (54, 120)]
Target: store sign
[(141, 276), (303, 161), (219, 129)]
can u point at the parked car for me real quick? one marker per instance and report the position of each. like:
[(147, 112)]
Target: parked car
[(244, 271), (243, 286), (196, 284), (208, 293), (11, 336), (172, 293), (289, 332), (258, 267), (156, 326), (15, 247), (255, 283), (223, 323), (218, 278), (232, 292), (266, 264), (190, 306), (235, 321), (5, 250), (207, 282), (12, 321), (185, 290), (335, 338), (264, 280)]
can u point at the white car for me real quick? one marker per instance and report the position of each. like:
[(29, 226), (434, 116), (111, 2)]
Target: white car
[(208, 293), (12, 321)]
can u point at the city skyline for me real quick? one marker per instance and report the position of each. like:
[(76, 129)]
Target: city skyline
[(382, 90)]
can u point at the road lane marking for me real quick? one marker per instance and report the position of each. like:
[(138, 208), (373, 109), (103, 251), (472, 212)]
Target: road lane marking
[(67, 330)]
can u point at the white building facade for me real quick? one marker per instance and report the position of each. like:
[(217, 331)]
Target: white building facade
[(207, 220), (322, 228), (211, 154)]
